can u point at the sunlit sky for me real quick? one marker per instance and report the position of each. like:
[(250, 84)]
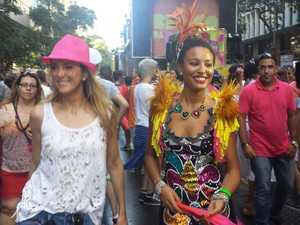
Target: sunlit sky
[(110, 19)]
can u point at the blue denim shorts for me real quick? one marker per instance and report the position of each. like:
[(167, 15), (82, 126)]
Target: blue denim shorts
[(45, 218)]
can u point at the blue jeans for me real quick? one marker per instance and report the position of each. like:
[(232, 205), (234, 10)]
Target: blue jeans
[(45, 218), (140, 146), (262, 168)]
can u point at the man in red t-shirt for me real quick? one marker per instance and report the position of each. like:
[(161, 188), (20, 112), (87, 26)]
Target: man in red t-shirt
[(269, 105)]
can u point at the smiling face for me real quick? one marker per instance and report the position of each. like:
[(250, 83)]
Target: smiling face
[(197, 68), (66, 76)]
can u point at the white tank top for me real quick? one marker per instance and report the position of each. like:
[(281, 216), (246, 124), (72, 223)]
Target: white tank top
[(71, 174)]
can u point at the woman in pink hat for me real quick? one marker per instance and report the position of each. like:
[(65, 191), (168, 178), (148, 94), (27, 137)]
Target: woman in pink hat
[(71, 133)]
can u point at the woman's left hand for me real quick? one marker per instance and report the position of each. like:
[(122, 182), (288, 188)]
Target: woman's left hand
[(122, 220), (216, 207)]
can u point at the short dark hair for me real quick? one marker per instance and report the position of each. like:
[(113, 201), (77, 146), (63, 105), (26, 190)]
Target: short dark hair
[(106, 72), (250, 70), (192, 42), (128, 80), (118, 74), (265, 55), (233, 68), (9, 79)]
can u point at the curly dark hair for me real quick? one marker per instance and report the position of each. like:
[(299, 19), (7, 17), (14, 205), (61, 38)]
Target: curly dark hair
[(192, 42)]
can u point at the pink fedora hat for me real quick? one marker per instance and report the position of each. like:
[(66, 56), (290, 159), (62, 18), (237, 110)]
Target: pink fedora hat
[(73, 49)]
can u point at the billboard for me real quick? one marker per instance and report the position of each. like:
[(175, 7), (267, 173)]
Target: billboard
[(141, 28), (162, 29)]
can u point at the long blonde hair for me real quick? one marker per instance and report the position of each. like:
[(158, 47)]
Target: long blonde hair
[(96, 96)]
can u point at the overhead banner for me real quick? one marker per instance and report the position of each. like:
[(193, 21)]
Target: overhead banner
[(162, 29), (217, 40)]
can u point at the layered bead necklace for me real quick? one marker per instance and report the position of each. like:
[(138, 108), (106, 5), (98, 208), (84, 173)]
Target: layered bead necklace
[(186, 115)]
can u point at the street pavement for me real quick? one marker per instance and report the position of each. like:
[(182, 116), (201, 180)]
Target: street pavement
[(139, 214)]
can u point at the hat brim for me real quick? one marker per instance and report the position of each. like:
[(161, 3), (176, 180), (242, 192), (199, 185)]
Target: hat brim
[(91, 67)]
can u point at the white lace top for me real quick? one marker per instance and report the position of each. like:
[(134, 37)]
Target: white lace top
[(71, 174)]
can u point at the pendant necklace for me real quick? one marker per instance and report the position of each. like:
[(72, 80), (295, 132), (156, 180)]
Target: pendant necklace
[(186, 115)]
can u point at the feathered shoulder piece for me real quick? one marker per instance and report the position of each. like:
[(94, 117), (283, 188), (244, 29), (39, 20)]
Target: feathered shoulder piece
[(226, 113), (183, 19), (165, 92)]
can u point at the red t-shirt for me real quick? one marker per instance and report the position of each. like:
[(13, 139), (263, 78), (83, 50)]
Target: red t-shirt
[(267, 112), (123, 90)]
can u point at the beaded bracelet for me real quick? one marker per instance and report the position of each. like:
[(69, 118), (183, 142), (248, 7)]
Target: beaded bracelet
[(220, 196), (224, 198), (225, 191)]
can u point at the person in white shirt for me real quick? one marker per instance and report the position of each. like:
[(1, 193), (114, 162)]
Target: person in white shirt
[(143, 93)]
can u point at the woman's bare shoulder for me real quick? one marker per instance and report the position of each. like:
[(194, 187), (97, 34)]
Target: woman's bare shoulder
[(37, 113)]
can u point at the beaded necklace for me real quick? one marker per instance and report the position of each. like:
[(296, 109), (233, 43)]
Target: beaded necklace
[(186, 115)]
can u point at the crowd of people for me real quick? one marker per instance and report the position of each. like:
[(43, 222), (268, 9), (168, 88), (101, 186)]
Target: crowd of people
[(191, 133)]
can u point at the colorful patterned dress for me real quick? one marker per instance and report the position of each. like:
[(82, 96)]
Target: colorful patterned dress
[(190, 170), (190, 164)]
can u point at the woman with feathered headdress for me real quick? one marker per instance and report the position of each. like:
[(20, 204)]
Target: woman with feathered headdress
[(192, 132)]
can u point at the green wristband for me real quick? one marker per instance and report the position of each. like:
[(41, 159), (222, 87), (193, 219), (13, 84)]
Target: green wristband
[(225, 191)]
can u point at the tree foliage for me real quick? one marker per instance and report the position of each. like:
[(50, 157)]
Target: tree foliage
[(9, 6), (16, 41), (98, 43), (53, 21), (24, 46)]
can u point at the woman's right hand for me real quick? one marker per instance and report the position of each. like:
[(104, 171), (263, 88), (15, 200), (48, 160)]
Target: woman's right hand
[(169, 198)]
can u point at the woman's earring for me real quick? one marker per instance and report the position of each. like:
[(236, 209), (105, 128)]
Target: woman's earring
[(180, 73)]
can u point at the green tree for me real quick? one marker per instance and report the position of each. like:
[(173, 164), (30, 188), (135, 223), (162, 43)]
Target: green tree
[(16, 41), (53, 21), (22, 45), (98, 43), (9, 6)]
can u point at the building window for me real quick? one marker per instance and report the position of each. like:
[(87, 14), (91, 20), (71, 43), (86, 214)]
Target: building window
[(291, 16), (253, 24), (257, 23), (248, 26)]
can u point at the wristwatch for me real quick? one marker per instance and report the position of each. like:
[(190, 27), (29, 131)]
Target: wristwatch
[(295, 143), (158, 186)]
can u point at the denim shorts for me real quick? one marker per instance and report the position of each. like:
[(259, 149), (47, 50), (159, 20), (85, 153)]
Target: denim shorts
[(45, 218)]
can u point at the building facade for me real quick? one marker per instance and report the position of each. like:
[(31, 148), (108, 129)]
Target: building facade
[(257, 38)]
